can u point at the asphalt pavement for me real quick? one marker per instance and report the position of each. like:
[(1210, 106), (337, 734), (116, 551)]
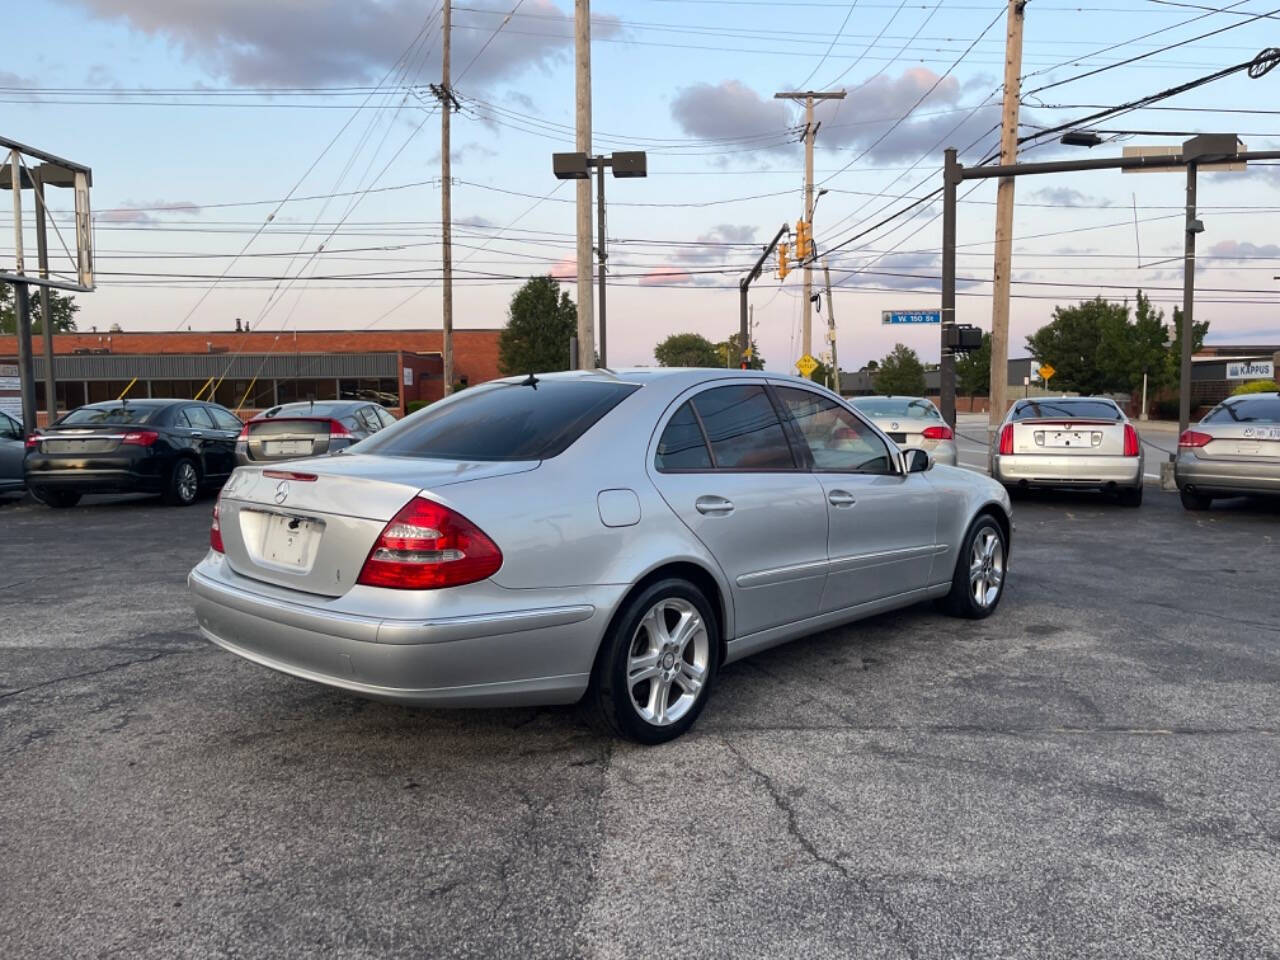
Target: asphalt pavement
[(1090, 773)]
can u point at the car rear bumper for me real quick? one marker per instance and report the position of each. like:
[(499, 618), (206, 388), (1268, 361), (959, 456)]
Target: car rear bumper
[(95, 480), (521, 655), (1081, 470), (1228, 477), (945, 452)]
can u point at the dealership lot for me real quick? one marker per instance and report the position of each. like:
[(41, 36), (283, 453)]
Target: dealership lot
[(1090, 772)]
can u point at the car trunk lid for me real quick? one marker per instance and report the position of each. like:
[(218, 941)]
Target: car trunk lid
[(81, 440), (1239, 441), (1069, 437), (289, 437)]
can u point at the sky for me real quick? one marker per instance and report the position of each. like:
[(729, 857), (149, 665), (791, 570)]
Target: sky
[(280, 162)]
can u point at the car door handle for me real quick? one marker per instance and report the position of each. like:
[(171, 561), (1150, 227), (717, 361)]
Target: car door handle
[(713, 506), (196, 433), (840, 498)]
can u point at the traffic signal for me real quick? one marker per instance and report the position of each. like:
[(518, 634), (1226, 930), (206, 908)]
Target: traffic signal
[(783, 267), (804, 243)]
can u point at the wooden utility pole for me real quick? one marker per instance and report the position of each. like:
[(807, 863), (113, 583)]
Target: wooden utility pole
[(810, 133), (582, 79), (446, 202), (831, 325), (1004, 215)]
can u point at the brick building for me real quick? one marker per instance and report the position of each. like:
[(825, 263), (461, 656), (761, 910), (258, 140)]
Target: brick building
[(255, 370)]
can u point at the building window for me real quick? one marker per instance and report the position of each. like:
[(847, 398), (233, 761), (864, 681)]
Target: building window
[(292, 391), (384, 391), (102, 390)]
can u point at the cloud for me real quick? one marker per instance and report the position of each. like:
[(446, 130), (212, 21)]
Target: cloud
[(715, 239), (901, 271), (666, 277), (147, 211), (1074, 251), (730, 110), (1243, 250), (566, 269), (258, 43), (1068, 197), (474, 221)]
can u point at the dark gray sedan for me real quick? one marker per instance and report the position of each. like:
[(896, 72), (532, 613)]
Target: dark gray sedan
[(12, 450), (1234, 451), (308, 429)]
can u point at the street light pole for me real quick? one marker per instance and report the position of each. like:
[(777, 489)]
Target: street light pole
[(601, 256), (1193, 226)]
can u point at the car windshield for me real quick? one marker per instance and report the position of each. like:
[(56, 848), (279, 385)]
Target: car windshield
[(318, 409), (501, 421), (1067, 409), (1259, 409), (108, 414), (900, 408)]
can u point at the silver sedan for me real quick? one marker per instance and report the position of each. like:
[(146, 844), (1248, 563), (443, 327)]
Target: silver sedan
[(911, 422), (610, 538), (1084, 442), (1233, 451)]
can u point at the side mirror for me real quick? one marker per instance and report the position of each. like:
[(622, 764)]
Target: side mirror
[(916, 460)]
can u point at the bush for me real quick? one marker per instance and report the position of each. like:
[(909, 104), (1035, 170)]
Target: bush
[(1166, 409), (1255, 386), (416, 405)]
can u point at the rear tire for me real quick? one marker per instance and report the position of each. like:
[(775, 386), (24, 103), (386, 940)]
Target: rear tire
[(1194, 501), (1131, 497), (58, 499), (978, 584), (654, 671), (184, 483)]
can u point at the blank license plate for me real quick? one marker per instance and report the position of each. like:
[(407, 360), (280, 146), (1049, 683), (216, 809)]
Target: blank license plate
[(281, 448), (1067, 438), (289, 541)]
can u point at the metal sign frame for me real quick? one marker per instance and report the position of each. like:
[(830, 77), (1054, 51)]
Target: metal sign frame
[(52, 171)]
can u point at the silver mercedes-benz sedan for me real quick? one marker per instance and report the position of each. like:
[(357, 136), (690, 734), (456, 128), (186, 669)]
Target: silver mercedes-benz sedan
[(911, 422), (1069, 442), (605, 537), (1234, 451)]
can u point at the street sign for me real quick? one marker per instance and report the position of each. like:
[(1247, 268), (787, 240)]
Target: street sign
[(1176, 151), (910, 316), (806, 365), (1046, 371), (1251, 370)]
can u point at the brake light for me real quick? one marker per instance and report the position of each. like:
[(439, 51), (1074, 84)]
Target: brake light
[(1006, 440), (215, 528), (289, 475), (427, 546), (937, 433), (1131, 447), (32, 441), (244, 433), (140, 438), (337, 431), (1193, 438)]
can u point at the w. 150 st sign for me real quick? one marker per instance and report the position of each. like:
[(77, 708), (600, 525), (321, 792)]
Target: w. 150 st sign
[(910, 316)]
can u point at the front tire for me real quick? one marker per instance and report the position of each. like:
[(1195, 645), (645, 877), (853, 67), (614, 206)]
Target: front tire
[(655, 667), (1194, 501), (978, 583), (184, 483)]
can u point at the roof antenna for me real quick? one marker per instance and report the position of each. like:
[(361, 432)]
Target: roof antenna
[(530, 381)]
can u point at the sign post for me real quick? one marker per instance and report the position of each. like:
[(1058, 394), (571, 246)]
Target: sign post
[(1046, 371)]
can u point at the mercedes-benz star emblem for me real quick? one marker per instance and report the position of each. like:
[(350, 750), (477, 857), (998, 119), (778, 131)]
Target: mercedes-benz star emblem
[(894, 425), (282, 491)]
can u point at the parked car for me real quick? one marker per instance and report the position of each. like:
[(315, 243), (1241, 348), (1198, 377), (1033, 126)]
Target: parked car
[(1233, 451), (598, 536), (911, 422), (1083, 442), (309, 429), (12, 451), (171, 447)]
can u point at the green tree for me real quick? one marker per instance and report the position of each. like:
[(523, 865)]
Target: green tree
[(973, 370), (901, 373), (62, 305), (687, 350), (1173, 355), (730, 353), (540, 322), (1075, 343)]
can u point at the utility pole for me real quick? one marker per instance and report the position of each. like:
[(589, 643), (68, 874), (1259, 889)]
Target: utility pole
[(810, 133), (46, 312), (947, 360), (831, 324), (1004, 214), (447, 104), (601, 256), (582, 81), (744, 323), (1193, 226)]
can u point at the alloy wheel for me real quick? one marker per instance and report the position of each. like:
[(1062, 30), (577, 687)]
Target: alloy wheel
[(187, 482), (986, 568), (667, 661)]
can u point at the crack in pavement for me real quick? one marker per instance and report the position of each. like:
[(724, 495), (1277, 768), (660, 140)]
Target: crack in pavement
[(781, 801), (93, 673)]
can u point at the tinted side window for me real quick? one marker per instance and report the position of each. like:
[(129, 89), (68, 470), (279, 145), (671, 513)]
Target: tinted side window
[(200, 418), (369, 420), (384, 417), (682, 445), (743, 429), (502, 421), (10, 428), (838, 441), (225, 419), (178, 418)]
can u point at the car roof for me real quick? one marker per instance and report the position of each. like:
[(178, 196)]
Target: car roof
[(675, 377), (139, 402), (330, 406)]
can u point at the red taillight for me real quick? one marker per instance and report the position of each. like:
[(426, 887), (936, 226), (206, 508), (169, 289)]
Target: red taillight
[(937, 433), (32, 441), (1131, 447), (289, 475), (427, 546), (244, 433), (140, 438), (337, 431), (215, 528), (1193, 438), (1006, 440)]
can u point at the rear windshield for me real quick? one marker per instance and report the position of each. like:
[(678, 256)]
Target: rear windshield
[(902, 408), (113, 413), (317, 409), (1067, 409), (501, 421), (1258, 409)]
